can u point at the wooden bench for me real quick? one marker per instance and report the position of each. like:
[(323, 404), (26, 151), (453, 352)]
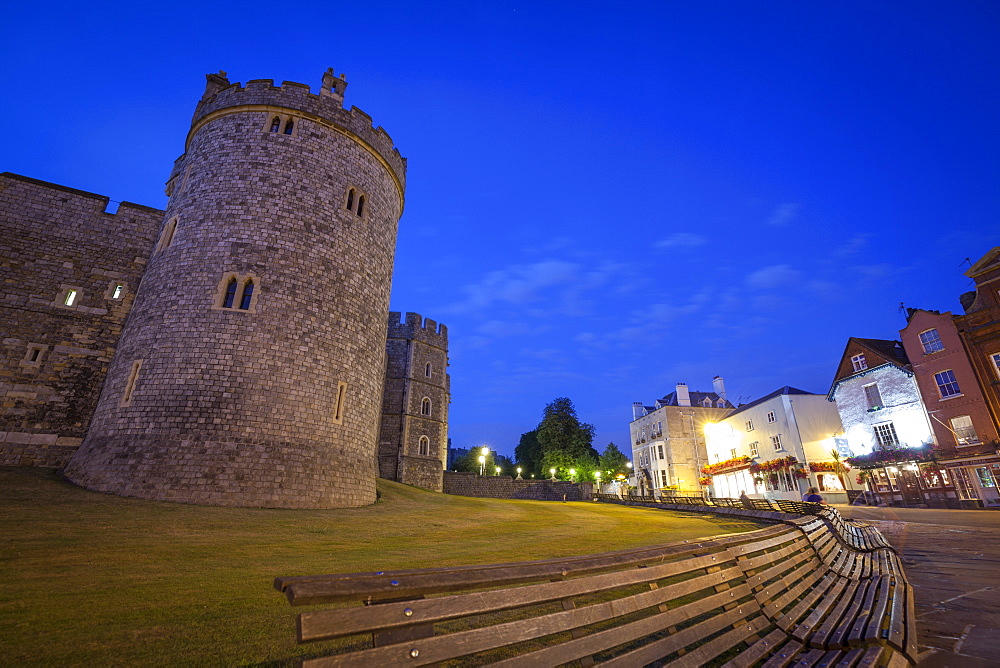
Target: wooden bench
[(788, 593)]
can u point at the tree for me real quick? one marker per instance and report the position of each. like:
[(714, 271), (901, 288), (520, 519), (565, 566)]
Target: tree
[(470, 463), (564, 440), (528, 453), (506, 464), (613, 461)]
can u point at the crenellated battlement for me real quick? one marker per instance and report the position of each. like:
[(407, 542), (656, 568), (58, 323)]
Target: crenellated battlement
[(326, 107), (416, 327)]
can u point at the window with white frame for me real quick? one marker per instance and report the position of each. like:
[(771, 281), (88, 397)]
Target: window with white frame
[(859, 362), (931, 341), (873, 396), (770, 416), (755, 449), (885, 435), (947, 385), (749, 425), (776, 441), (965, 433), (663, 477), (659, 450)]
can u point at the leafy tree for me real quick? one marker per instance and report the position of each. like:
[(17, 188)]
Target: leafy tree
[(528, 453), (506, 464), (564, 440), (470, 463), (613, 461)]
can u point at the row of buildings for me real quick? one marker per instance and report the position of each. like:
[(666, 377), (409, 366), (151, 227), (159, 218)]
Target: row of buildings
[(914, 420)]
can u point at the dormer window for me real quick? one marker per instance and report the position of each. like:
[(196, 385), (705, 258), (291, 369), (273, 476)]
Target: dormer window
[(706, 402), (859, 362)]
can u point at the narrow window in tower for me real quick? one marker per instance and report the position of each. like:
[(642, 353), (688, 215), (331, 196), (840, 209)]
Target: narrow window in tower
[(361, 205), (167, 236), (289, 126), (276, 124), (427, 369), (70, 298), (33, 356), (425, 406), (424, 446), (338, 406), (247, 295), (350, 199), (230, 297), (133, 376), (117, 293)]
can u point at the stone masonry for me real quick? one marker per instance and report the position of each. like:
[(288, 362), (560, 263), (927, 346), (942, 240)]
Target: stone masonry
[(413, 441), (249, 370), (57, 241)]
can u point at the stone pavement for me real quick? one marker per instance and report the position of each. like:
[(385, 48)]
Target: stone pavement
[(952, 559)]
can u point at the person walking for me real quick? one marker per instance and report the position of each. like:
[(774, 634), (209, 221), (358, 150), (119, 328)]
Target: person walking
[(812, 496)]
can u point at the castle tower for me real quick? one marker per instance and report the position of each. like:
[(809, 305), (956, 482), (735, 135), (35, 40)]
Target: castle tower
[(250, 370), (413, 444)]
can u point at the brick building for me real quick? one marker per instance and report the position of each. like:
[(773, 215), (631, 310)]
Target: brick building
[(232, 349)]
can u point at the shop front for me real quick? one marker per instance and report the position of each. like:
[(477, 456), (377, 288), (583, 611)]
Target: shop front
[(976, 476)]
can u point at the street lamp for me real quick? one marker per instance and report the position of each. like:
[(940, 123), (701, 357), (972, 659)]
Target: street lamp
[(572, 475), (519, 473), (553, 472), (498, 470), (482, 464)]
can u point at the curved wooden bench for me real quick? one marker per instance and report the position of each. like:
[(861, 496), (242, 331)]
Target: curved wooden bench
[(787, 593)]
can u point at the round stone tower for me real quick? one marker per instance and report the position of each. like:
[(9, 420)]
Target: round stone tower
[(249, 371)]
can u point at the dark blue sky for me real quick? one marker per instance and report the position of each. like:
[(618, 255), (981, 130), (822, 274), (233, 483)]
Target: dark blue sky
[(604, 199)]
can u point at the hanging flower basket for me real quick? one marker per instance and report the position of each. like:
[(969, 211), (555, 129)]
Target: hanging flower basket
[(897, 455), (773, 465), (801, 474), (705, 480), (826, 467), (728, 466)]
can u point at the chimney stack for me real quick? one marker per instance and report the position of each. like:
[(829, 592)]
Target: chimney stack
[(720, 386), (683, 396)]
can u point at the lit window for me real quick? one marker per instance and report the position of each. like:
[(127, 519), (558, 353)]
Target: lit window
[(873, 396), (885, 436), (423, 446), (859, 362), (947, 385), (770, 416), (749, 425), (931, 341), (776, 442), (117, 293), (425, 406), (70, 298), (965, 433), (755, 449)]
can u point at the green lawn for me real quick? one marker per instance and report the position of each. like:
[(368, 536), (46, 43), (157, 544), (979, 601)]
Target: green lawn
[(88, 578)]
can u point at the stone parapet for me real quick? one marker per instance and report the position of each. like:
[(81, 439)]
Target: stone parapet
[(505, 487)]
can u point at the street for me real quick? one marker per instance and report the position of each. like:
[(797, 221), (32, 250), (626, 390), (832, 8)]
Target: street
[(952, 559)]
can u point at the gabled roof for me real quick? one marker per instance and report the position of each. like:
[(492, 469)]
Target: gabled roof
[(989, 261), (777, 393), (696, 399), (878, 353)]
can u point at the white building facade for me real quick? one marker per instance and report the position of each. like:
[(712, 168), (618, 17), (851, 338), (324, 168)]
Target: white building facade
[(776, 448)]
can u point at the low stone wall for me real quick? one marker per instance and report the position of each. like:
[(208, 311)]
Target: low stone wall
[(43, 450), (505, 487)]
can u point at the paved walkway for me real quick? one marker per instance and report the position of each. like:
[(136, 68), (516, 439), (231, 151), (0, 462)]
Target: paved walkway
[(952, 559)]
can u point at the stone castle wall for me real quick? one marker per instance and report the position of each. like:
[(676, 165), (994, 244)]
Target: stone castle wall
[(54, 357), (505, 487), (276, 404)]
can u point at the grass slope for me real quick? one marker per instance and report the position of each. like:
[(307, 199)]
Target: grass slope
[(88, 578)]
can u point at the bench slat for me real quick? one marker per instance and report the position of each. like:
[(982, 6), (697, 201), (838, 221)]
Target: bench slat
[(757, 650)]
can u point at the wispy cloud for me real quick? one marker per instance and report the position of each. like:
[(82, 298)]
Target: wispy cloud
[(783, 214), (682, 240), (772, 277)]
